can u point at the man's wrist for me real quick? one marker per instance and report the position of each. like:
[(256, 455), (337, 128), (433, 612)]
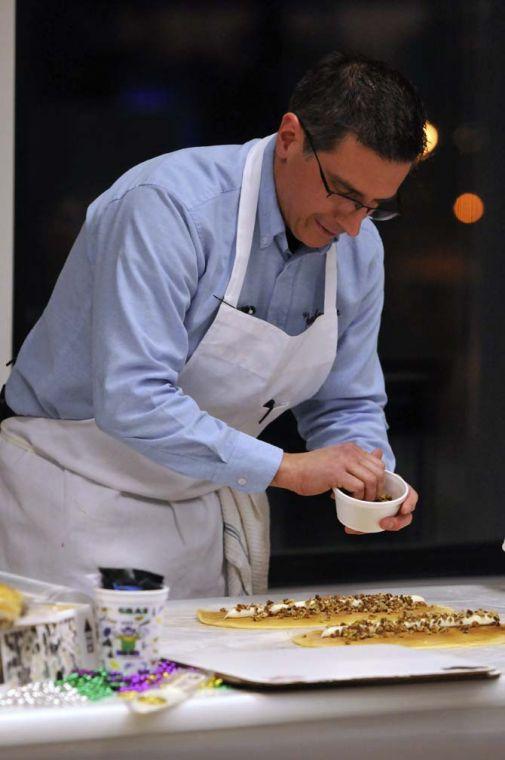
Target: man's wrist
[(284, 475)]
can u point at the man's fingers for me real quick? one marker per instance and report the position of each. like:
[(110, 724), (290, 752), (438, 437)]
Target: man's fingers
[(377, 470), (368, 480), (410, 502), (405, 513), (389, 524), (407, 507), (370, 471), (354, 485), (364, 476), (396, 523), (373, 464), (372, 459)]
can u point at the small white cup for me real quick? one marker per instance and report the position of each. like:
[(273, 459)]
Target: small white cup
[(365, 515), (129, 627)]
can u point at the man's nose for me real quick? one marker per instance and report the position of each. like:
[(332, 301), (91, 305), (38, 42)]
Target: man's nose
[(351, 223)]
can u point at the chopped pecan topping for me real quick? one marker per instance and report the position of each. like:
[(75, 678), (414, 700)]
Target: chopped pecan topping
[(329, 606), (405, 623)]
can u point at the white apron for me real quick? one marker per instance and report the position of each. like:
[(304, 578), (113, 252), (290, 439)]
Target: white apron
[(73, 498)]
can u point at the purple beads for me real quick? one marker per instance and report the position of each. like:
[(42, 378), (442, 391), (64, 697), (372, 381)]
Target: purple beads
[(147, 679)]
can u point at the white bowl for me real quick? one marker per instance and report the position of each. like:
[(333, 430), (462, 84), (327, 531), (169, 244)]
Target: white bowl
[(366, 515)]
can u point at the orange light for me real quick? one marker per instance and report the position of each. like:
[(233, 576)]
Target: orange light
[(468, 208), (431, 134)]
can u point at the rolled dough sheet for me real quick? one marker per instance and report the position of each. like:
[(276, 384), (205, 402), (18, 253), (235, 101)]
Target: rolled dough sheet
[(485, 635), (282, 620)]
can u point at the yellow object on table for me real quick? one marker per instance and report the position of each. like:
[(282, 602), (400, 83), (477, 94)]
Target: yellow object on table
[(11, 605)]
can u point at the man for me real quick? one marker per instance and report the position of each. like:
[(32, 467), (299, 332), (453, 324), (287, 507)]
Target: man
[(198, 303)]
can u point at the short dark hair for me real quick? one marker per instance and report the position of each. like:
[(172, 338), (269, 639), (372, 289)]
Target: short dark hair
[(346, 93)]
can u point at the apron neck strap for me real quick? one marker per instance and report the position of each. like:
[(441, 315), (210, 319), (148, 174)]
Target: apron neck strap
[(330, 280), (251, 180)]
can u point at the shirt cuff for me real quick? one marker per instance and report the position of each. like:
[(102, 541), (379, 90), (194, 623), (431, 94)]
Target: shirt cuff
[(251, 466)]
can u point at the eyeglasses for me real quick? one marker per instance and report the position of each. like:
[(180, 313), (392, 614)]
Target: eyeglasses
[(377, 213)]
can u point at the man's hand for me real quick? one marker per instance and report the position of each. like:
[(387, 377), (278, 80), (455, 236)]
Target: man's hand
[(343, 465), (347, 466), (401, 520)]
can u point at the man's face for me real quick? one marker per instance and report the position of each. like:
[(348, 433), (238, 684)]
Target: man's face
[(350, 168)]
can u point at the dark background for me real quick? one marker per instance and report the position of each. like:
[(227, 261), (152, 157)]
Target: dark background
[(103, 86)]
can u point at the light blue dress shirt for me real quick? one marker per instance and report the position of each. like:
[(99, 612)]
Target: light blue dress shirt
[(139, 290)]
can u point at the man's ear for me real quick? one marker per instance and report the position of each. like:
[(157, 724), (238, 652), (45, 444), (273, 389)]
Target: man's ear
[(289, 135)]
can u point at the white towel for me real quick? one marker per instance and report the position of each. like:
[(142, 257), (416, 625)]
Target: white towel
[(246, 519)]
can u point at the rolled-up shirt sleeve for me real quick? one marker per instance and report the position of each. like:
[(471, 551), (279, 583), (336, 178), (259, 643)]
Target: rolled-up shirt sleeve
[(148, 262), (349, 406)]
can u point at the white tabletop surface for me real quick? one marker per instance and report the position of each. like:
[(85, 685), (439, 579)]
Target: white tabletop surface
[(418, 720)]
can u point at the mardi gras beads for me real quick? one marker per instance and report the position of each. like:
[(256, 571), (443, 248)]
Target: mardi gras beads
[(42, 694), (146, 679), (82, 686), (93, 685)]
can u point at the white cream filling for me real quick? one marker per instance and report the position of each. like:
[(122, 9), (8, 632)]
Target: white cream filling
[(257, 609), (448, 621), (253, 610), (246, 612)]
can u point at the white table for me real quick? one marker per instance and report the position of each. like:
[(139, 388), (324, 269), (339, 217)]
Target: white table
[(420, 720)]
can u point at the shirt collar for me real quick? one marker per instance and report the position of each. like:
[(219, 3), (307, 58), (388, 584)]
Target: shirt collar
[(270, 221)]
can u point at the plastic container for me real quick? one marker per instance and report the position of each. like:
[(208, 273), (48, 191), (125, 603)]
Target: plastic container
[(365, 516), (129, 627)]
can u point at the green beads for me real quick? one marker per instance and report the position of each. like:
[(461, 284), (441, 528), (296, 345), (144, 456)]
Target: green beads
[(92, 685)]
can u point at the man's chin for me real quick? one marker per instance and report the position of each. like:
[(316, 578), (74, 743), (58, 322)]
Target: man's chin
[(324, 234), (316, 237), (318, 242)]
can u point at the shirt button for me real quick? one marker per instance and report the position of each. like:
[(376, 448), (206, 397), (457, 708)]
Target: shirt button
[(242, 481)]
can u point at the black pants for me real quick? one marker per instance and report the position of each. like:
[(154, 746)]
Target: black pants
[(5, 411)]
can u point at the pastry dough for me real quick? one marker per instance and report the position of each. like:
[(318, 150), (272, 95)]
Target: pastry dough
[(316, 611), (429, 630)]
